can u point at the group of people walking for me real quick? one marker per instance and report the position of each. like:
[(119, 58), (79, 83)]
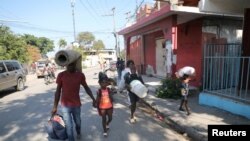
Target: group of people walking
[(67, 92)]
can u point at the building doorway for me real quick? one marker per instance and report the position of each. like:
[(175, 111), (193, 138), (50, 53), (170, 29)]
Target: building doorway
[(160, 58)]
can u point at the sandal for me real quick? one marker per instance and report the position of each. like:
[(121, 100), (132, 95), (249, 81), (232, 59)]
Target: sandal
[(132, 120), (105, 134)]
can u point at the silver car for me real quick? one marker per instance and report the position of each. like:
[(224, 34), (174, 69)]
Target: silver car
[(12, 74)]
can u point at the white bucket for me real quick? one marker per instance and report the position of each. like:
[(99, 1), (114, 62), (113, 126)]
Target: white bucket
[(138, 88)]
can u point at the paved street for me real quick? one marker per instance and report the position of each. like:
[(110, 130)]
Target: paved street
[(23, 115)]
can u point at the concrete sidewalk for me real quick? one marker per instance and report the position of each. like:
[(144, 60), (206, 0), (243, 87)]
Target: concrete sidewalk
[(194, 125)]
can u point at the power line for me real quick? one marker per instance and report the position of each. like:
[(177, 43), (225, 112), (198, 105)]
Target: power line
[(12, 21), (27, 25), (101, 8), (92, 8), (125, 7), (127, 16), (8, 11), (137, 7), (93, 16), (36, 28)]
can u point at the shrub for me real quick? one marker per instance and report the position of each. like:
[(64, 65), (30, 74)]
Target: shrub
[(170, 88)]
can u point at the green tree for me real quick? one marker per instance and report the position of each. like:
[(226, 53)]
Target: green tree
[(62, 43), (31, 40), (44, 44), (34, 53), (98, 45), (12, 46), (85, 39)]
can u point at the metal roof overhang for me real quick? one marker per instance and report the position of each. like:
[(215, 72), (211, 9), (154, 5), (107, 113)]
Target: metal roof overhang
[(224, 6), (184, 14)]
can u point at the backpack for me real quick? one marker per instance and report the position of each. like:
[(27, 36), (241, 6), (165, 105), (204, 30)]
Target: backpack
[(56, 128)]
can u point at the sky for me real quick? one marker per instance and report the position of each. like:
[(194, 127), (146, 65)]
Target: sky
[(53, 18)]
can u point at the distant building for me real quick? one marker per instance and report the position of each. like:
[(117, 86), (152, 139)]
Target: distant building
[(93, 57)]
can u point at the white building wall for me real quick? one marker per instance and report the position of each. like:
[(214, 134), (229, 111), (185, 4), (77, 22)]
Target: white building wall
[(93, 60)]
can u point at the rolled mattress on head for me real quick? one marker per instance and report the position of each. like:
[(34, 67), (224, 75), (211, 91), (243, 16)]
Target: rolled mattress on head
[(66, 57)]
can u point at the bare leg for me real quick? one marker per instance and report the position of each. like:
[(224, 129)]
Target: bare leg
[(109, 112), (182, 102), (132, 109), (186, 107), (104, 120)]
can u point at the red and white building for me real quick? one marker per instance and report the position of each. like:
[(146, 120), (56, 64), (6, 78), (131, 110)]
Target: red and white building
[(185, 26), (210, 35)]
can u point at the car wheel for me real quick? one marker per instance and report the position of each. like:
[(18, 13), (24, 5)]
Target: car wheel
[(20, 84)]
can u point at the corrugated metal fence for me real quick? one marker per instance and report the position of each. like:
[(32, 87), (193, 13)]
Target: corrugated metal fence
[(226, 72)]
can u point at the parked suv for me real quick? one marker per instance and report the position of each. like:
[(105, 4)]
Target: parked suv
[(12, 74)]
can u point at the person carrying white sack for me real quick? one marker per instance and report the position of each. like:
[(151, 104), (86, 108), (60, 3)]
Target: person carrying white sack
[(133, 97), (121, 84), (190, 71), (185, 74)]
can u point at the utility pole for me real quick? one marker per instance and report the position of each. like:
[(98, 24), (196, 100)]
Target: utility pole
[(113, 10), (127, 16), (117, 48), (73, 14)]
